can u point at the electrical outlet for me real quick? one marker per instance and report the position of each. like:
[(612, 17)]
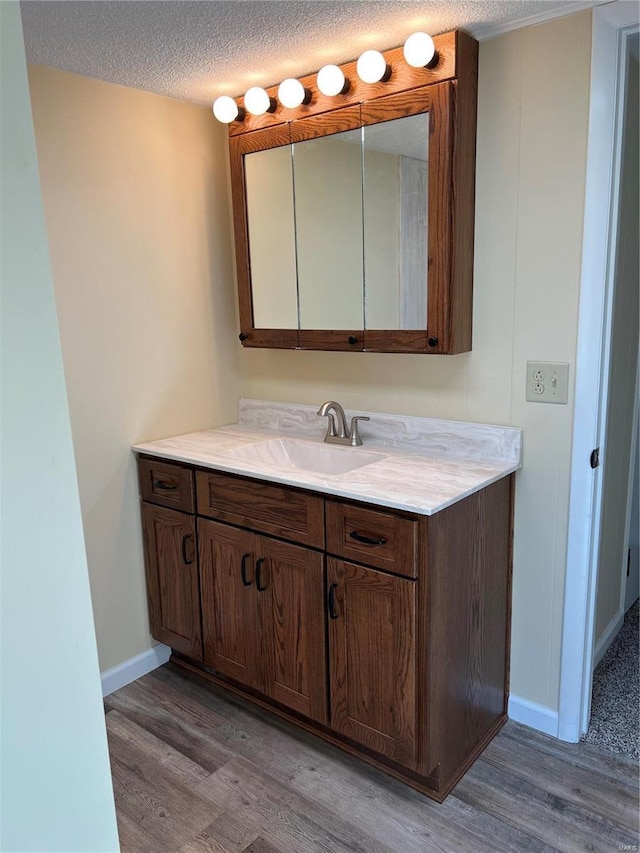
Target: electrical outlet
[(547, 381)]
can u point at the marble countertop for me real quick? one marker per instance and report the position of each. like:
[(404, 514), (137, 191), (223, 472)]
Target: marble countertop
[(425, 464)]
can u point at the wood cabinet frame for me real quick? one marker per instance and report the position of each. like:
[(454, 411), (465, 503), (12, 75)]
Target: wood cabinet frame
[(449, 92)]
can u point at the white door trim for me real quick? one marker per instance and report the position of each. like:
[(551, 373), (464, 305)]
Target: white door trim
[(592, 362)]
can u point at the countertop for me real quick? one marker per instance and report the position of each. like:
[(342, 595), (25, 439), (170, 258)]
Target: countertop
[(425, 465)]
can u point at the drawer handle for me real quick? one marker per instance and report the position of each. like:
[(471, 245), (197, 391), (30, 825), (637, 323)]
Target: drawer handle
[(185, 559), (243, 570), (164, 487), (259, 564), (331, 601), (368, 540)]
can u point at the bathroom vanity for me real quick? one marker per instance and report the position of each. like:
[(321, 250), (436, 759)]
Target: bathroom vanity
[(360, 593)]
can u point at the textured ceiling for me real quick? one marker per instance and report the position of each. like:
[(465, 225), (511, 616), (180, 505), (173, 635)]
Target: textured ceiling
[(195, 50)]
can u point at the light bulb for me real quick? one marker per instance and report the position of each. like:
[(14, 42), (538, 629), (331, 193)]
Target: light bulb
[(331, 81), (371, 66), (419, 50), (291, 93), (257, 101), (225, 109)]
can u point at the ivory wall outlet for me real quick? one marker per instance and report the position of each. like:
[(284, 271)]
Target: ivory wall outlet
[(547, 381)]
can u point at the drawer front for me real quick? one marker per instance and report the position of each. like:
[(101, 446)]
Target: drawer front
[(278, 510), (380, 539), (166, 484)]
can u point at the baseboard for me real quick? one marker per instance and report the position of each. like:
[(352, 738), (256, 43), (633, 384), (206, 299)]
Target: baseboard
[(135, 667), (607, 638), (535, 716)]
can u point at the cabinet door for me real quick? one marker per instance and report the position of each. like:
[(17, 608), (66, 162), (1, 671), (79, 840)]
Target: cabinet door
[(372, 659), (172, 578), (290, 591), (229, 603)]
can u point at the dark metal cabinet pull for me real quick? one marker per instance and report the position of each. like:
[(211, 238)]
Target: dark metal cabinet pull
[(331, 601), (185, 559), (259, 564), (243, 570), (368, 540), (165, 487)]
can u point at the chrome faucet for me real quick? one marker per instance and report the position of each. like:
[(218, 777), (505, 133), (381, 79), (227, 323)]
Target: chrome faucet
[(337, 432)]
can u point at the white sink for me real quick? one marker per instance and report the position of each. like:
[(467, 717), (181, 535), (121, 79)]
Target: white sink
[(306, 456)]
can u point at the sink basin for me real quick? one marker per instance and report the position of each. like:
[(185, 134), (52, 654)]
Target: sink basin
[(306, 456)]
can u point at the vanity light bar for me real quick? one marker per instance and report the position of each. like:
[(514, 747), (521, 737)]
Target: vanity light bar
[(419, 52)]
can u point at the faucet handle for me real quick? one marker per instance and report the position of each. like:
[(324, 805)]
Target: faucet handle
[(354, 435)]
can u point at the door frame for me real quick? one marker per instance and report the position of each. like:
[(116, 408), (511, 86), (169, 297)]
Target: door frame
[(612, 24)]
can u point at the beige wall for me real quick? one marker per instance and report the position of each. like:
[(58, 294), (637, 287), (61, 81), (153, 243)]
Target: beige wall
[(617, 460), (532, 136), (135, 197)]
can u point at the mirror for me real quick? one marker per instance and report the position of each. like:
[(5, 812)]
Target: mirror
[(271, 234), (395, 164), (328, 230), (346, 217)]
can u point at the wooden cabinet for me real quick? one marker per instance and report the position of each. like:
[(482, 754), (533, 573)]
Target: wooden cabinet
[(230, 613), (290, 590), (386, 633), (386, 540), (372, 653), (263, 615), (172, 578), (433, 227)]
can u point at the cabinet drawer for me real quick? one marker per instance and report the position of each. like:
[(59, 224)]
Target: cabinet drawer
[(381, 539), (279, 510), (166, 484)]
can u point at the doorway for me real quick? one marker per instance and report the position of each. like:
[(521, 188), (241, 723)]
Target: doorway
[(614, 707), (606, 370)]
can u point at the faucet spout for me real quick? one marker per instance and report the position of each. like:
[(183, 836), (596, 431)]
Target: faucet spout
[(337, 430), (337, 426)]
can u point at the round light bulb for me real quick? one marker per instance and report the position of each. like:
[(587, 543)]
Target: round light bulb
[(331, 80), (371, 66), (225, 109), (419, 50), (291, 93), (257, 101)]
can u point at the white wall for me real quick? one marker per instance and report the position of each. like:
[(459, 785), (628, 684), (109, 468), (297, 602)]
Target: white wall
[(135, 197), (531, 161), (55, 790)]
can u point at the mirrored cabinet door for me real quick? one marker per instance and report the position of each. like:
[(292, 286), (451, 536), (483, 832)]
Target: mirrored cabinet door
[(328, 224), (271, 234), (395, 193)]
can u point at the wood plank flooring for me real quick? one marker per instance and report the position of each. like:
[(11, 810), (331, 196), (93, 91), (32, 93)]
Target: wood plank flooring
[(196, 770)]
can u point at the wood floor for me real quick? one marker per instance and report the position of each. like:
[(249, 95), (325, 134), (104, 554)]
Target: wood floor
[(198, 771)]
